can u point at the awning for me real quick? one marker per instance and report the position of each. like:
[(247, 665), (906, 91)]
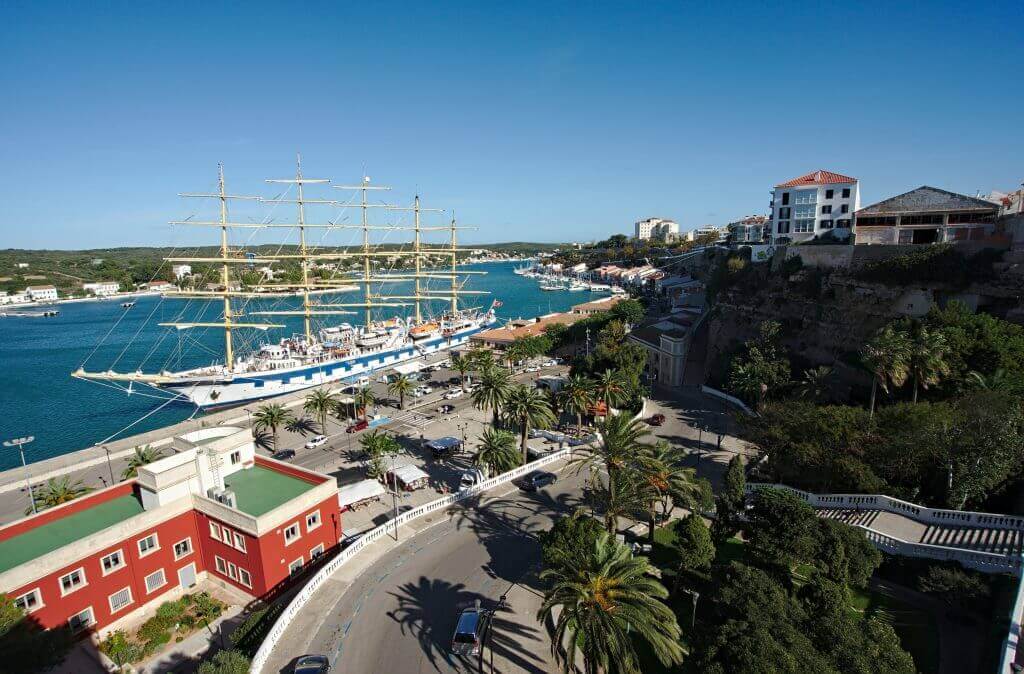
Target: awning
[(442, 444), (410, 475), (359, 491), (410, 367)]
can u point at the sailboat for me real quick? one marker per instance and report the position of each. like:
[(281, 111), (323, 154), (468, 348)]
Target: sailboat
[(331, 353)]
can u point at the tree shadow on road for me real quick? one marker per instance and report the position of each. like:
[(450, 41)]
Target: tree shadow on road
[(428, 610)]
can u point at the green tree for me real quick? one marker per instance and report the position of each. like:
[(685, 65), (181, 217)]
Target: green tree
[(671, 484), (844, 554), (609, 387), (578, 396), (604, 604), (226, 662), (813, 383), (365, 397), (378, 446), (496, 450), (782, 529), (762, 367), (118, 648), (139, 458), (927, 361), (628, 311), (272, 416), (622, 444), (319, 403), (493, 387), (463, 366), (401, 386), (693, 546), (57, 491), (730, 501), (887, 358), (527, 408), (570, 540), (954, 585)]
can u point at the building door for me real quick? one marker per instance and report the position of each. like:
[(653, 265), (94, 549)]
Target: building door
[(187, 576)]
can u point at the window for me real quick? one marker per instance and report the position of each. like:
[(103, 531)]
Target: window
[(844, 223), (806, 225), (72, 581), (119, 600), (785, 198), (844, 208), (29, 601), (214, 531), (244, 578), (232, 571), (222, 568), (291, 533), (928, 219), (827, 209), (239, 541), (784, 227), (316, 552), (112, 562), (80, 621), (155, 581), (806, 197), (872, 220), (235, 457), (804, 213), (826, 224), (846, 193), (829, 194), (312, 520), (182, 548), (295, 566), (784, 213), (148, 545)]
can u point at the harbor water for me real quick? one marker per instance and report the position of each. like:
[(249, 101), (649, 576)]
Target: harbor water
[(38, 397)]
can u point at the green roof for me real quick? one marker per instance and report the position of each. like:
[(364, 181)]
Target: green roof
[(259, 490), (48, 537)]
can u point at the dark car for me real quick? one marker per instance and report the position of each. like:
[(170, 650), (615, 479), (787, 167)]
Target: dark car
[(360, 425), (656, 420), (312, 664), (469, 631), (446, 409), (284, 454), (537, 479), (455, 380)]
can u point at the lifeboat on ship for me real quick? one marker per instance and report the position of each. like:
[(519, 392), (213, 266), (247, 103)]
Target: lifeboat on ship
[(425, 330)]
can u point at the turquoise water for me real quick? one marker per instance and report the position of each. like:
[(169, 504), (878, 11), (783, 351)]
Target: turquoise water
[(37, 355)]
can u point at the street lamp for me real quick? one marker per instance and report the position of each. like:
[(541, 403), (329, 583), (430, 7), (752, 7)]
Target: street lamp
[(20, 444), (693, 616), (109, 467)]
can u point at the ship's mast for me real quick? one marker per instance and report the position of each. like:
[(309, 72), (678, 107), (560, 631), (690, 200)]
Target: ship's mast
[(417, 258), (455, 280), (366, 256), (229, 351)]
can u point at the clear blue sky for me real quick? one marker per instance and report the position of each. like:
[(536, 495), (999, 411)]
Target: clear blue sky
[(541, 121)]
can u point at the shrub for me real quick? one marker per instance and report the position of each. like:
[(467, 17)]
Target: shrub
[(153, 628), (226, 662), (939, 264), (154, 644), (117, 647), (187, 622), (170, 611)]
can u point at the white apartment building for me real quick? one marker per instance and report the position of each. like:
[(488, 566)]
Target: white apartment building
[(812, 205), (751, 229), (656, 228), (41, 293), (101, 288), (180, 271), (707, 230)]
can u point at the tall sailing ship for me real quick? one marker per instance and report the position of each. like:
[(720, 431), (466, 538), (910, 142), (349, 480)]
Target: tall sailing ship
[(322, 353)]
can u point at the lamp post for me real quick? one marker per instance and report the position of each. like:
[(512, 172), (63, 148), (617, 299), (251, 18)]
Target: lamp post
[(394, 493), (20, 444), (109, 467)]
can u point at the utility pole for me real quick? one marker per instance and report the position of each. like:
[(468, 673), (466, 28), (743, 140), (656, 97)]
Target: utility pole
[(20, 444)]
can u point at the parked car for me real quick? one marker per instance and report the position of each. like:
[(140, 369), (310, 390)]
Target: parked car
[(656, 420), (549, 363), (455, 381), (537, 479), (284, 454), (471, 478), (452, 394), (421, 391), (360, 425), (469, 631), (316, 441), (312, 664), (533, 368)]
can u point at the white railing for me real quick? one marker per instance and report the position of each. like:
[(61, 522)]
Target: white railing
[(721, 395), (1012, 640), (987, 562), (299, 601), (923, 514)]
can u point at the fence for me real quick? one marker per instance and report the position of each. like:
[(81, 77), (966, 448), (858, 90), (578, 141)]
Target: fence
[(1012, 640), (300, 599), (733, 400)]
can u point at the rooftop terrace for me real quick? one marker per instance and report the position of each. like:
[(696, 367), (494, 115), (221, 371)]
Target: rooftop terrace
[(259, 490), (56, 534)]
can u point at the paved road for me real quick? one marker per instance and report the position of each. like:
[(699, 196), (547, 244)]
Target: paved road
[(399, 614)]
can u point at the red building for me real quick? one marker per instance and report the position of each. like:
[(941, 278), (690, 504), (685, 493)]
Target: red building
[(211, 511)]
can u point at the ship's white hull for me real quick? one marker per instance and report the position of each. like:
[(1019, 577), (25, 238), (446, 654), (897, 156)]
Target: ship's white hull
[(208, 392)]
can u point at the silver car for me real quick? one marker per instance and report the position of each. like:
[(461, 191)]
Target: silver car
[(469, 631)]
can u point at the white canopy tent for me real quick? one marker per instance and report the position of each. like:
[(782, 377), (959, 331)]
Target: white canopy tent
[(410, 367), (410, 476), (351, 494)]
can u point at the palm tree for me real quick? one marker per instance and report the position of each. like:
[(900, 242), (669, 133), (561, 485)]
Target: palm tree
[(887, 358), (493, 387), (497, 451), (482, 359), (400, 386), (527, 407), (928, 351), (462, 365), (609, 388), (319, 403), (141, 457), (272, 416), (515, 352), (605, 604), (377, 446), (671, 484), (364, 398), (622, 446), (997, 381), (812, 382), (578, 397), (57, 491)]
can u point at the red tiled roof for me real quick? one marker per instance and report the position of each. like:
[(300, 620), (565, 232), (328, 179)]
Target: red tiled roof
[(818, 178)]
